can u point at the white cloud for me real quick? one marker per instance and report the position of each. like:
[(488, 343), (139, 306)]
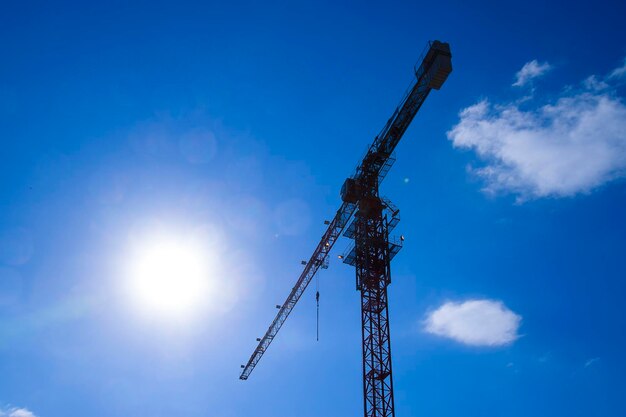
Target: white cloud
[(570, 146), (593, 83), (591, 362), (16, 412), (530, 70), (474, 322), (619, 72)]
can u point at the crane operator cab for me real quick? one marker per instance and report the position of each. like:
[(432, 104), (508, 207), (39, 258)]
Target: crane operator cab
[(351, 191)]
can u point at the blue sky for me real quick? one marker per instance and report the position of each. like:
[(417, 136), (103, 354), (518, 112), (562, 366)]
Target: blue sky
[(235, 124)]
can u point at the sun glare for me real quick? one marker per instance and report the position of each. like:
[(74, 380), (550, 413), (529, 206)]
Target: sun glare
[(170, 276)]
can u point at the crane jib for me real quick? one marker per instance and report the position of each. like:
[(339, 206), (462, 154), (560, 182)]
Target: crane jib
[(434, 68), (316, 261)]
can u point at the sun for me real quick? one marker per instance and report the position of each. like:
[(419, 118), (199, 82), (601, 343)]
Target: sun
[(169, 276)]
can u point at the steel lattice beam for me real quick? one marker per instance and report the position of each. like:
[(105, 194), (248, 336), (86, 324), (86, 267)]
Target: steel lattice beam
[(373, 276), (316, 261)]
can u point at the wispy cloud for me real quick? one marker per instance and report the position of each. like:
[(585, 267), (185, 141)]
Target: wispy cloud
[(529, 71), (570, 146), (619, 72), (16, 412), (591, 362), (474, 322), (595, 84)]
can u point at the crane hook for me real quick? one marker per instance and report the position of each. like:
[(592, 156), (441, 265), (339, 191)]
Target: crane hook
[(317, 300)]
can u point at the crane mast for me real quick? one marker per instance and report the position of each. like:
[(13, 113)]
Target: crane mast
[(373, 218)]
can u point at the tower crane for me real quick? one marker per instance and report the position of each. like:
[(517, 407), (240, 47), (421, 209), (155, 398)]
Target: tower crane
[(368, 218)]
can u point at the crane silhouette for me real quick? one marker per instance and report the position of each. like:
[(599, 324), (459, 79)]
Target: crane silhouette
[(373, 218)]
